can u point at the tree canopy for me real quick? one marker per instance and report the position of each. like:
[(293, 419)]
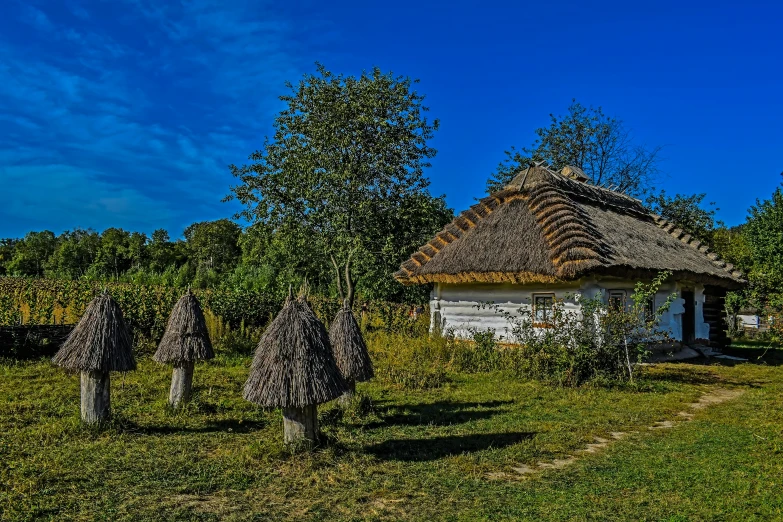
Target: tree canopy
[(687, 212), (345, 168), (587, 138), (764, 234)]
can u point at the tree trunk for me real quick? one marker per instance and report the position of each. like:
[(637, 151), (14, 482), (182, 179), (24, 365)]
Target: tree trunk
[(95, 396), (338, 279), (349, 282), (300, 424), (347, 396), (181, 384)]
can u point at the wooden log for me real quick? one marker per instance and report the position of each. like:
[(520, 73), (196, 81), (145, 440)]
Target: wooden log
[(96, 402), (300, 424), (345, 399), (181, 384)]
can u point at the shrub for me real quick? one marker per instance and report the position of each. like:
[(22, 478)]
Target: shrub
[(600, 342)]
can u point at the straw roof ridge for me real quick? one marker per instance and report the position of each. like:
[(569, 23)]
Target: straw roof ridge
[(293, 365), (349, 348), (100, 341), (186, 338), (544, 227)]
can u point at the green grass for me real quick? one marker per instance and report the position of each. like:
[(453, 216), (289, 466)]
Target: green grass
[(414, 455)]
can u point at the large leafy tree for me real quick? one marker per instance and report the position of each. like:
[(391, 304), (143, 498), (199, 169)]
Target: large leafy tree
[(348, 153), (587, 138)]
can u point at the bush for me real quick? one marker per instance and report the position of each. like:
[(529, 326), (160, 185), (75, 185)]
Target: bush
[(600, 342)]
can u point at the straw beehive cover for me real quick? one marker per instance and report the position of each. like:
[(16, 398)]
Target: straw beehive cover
[(293, 364), (186, 338), (100, 342), (349, 347)]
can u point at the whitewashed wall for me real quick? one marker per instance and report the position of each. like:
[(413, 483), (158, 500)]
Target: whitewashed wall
[(457, 306)]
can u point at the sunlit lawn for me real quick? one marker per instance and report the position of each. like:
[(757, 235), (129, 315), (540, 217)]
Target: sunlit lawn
[(414, 455)]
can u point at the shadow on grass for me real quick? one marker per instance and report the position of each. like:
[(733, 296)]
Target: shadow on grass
[(683, 372), (421, 450), (225, 426), (441, 413), (762, 356)]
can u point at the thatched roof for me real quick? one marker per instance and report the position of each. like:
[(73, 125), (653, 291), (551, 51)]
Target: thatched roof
[(100, 342), (546, 227), (186, 338), (348, 346), (294, 365)]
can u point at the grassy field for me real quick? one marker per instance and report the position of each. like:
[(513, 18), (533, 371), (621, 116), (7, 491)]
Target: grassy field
[(441, 454)]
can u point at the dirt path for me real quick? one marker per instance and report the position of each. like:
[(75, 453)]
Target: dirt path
[(599, 444)]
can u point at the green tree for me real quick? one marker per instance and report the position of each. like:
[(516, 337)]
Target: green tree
[(213, 245), (347, 154), (137, 249), (7, 248), (160, 251), (687, 212), (586, 138), (76, 252), (114, 256), (32, 253), (731, 244), (283, 257), (764, 233), (417, 219)]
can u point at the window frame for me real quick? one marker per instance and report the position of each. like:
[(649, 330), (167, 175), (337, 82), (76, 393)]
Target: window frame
[(610, 298), (548, 321), (648, 312)]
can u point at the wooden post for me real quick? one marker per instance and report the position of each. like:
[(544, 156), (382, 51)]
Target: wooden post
[(95, 396), (181, 384), (345, 399), (300, 424)]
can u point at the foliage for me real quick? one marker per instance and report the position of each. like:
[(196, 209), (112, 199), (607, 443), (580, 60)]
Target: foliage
[(686, 212), (586, 138), (764, 234), (7, 248), (119, 251), (213, 245), (733, 303), (601, 341), (731, 244), (75, 253), (31, 253), (345, 164)]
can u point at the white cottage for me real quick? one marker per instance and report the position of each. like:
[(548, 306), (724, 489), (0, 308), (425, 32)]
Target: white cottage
[(550, 235)]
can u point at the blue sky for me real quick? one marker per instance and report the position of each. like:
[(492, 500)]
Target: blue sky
[(127, 113)]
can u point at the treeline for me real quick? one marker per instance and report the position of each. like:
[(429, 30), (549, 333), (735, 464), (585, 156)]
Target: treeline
[(211, 255)]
